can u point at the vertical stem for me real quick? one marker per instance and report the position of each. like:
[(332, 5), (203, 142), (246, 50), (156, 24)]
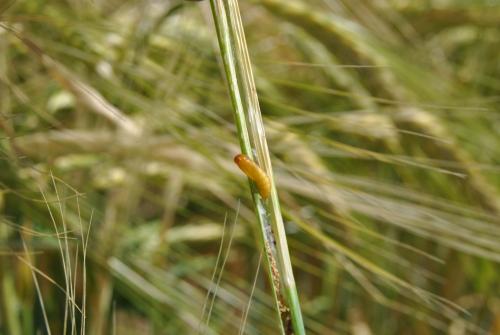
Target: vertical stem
[(253, 143)]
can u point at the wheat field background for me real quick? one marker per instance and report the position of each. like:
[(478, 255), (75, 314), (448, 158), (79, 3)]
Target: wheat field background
[(122, 211)]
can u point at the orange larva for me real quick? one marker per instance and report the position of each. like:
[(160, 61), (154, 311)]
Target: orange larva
[(255, 173)]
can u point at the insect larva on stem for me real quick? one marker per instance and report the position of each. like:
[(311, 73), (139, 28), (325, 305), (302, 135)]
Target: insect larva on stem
[(255, 173)]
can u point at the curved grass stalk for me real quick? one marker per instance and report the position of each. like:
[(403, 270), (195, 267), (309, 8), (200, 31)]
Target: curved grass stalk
[(253, 144)]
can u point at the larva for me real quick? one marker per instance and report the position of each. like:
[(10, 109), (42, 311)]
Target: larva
[(255, 173)]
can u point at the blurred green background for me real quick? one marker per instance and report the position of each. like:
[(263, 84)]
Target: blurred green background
[(118, 189)]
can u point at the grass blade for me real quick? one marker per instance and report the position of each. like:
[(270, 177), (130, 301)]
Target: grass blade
[(253, 144)]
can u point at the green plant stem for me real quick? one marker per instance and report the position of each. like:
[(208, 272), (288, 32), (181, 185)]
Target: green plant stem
[(253, 144)]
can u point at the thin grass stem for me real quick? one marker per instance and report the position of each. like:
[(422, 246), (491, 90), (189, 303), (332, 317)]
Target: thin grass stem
[(253, 144)]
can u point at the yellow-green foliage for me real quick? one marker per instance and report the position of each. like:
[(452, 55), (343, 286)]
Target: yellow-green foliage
[(116, 130)]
